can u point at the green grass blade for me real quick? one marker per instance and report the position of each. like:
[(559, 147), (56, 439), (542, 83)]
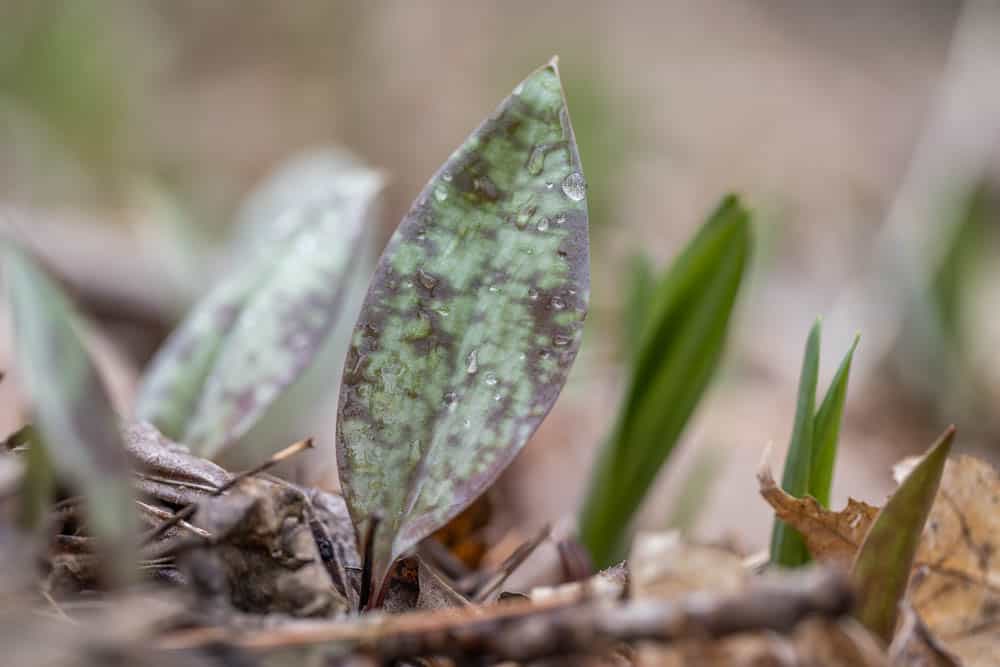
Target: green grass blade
[(787, 547), (882, 567), (680, 348), (642, 281), (826, 431)]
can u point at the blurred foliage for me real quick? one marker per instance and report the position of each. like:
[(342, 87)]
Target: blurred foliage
[(681, 344), (64, 65), (72, 411)]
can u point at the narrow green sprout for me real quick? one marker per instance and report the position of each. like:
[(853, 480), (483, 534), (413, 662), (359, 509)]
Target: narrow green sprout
[(812, 452), (881, 570), (679, 349)]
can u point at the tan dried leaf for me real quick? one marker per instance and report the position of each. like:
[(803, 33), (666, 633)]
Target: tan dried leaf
[(816, 642), (956, 584), (831, 537), (915, 646), (663, 566)]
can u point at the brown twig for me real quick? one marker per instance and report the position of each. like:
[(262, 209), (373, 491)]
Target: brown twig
[(526, 631)]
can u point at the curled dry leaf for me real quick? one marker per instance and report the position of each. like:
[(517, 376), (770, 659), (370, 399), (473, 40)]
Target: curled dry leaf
[(470, 326), (832, 537), (956, 583)]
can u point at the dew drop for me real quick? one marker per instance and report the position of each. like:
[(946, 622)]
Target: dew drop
[(549, 186), (467, 423), (561, 341), (533, 294), (446, 177), (451, 400), (560, 219), (441, 194), (536, 160), (557, 303), (543, 224), (574, 187), (443, 312), (497, 396), (522, 356), (473, 362), (493, 288), (490, 379)]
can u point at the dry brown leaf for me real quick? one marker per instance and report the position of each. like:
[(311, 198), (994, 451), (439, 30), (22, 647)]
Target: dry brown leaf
[(956, 583), (831, 537), (915, 646), (955, 588), (663, 566)]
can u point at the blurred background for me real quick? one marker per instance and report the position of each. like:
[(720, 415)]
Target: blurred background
[(864, 135)]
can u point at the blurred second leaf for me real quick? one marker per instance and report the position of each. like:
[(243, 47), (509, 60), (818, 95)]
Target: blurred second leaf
[(74, 420), (260, 328)]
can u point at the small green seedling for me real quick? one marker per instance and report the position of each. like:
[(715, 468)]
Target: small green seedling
[(812, 452)]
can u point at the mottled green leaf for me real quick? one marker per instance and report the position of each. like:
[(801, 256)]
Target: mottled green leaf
[(826, 431), (682, 341), (787, 547), (73, 413), (259, 329), (881, 570), (470, 325)]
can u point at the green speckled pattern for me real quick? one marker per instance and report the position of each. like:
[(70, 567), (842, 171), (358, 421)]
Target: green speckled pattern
[(471, 323), (72, 411), (257, 331)]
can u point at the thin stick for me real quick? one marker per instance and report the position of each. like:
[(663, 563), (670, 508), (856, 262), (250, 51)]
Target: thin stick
[(532, 631)]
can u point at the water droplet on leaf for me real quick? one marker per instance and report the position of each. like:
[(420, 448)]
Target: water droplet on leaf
[(441, 194), (543, 224), (473, 362), (490, 379), (557, 303), (536, 160), (574, 187)]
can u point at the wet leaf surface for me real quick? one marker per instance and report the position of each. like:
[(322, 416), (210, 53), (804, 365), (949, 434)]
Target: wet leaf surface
[(470, 325)]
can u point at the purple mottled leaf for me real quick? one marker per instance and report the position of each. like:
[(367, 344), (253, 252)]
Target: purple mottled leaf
[(258, 331), (470, 325)]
